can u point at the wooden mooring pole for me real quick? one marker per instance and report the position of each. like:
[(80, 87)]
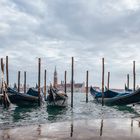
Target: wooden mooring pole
[(2, 69), (72, 81), (134, 76), (39, 80), (65, 77), (87, 73), (108, 81), (45, 83), (2, 86), (18, 81), (128, 81), (24, 81), (103, 71), (7, 72)]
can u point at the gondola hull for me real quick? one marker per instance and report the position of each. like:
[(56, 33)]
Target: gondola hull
[(21, 99), (121, 99)]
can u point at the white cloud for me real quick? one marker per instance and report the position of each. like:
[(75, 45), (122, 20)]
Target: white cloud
[(131, 4), (58, 29)]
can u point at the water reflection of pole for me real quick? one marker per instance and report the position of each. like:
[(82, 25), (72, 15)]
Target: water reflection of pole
[(6, 135), (71, 126), (132, 123), (71, 134), (39, 130), (101, 128), (139, 124), (131, 126)]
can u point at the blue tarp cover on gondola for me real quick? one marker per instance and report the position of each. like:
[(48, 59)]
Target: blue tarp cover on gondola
[(107, 93), (33, 92), (116, 98)]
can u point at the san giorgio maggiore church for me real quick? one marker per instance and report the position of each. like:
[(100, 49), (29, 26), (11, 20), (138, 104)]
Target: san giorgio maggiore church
[(78, 87)]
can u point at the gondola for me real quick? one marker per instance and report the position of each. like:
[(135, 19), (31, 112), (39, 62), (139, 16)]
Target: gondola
[(107, 94), (56, 98), (22, 99), (116, 98)]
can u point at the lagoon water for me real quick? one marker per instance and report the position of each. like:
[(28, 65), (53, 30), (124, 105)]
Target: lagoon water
[(86, 121), (17, 116)]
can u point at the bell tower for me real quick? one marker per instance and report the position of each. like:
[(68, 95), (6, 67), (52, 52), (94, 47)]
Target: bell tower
[(55, 82)]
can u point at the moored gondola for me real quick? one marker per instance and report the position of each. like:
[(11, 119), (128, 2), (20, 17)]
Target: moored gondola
[(56, 98), (23, 99), (116, 98)]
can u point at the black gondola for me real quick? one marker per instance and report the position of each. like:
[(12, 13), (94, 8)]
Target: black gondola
[(56, 98), (23, 99), (116, 98)]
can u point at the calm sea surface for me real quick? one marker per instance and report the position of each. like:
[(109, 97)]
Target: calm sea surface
[(17, 116)]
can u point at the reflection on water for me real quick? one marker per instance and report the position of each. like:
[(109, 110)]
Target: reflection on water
[(132, 123), (139, 123), (101, 128), (92, 129), (71, 126), (39, 130), (55, 112), (132, 126), (127, 109), (71, 132), (6, 135), (21, 113)]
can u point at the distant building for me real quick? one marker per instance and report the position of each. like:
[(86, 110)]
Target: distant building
[(78, 87), (55, 82)]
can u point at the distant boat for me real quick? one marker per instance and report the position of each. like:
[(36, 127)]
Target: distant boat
[(23, 99), (127, 89), (56, 98), (116, 98)]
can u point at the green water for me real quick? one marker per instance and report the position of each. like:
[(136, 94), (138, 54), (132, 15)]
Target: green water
[(17, 116)]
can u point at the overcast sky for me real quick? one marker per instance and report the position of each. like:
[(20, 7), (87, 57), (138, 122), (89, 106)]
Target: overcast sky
[(56, 30)]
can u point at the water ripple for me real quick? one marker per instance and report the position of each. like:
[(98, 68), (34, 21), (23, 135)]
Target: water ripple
[(17, 116)]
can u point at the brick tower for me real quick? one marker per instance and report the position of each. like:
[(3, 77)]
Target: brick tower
[(55, 82)]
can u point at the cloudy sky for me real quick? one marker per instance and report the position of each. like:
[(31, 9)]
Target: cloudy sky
[(56, 30)]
